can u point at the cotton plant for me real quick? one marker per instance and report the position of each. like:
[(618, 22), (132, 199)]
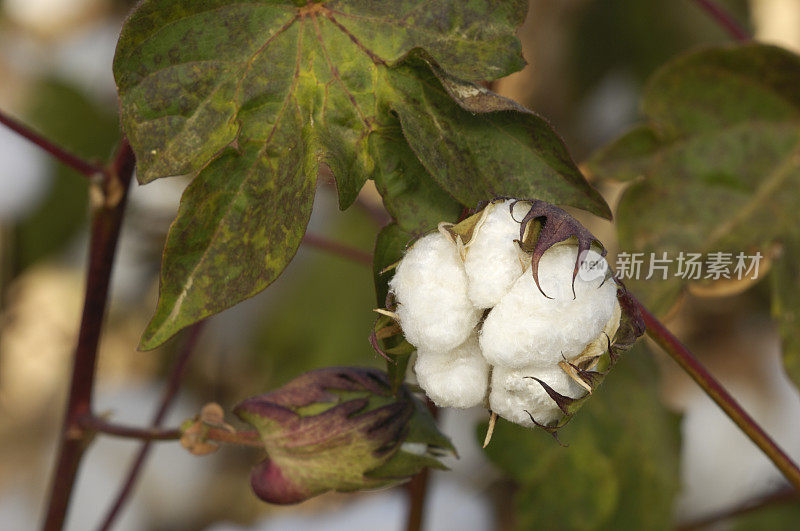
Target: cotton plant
[(514, 309)]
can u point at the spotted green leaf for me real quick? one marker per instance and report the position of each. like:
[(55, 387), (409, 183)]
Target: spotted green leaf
[(479, 145), (251, 97)]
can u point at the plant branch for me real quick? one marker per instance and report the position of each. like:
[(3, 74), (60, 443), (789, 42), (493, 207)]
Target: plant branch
[(73, 161), (91, 423), (105, 227), (173, 384), (659, 333), (724, 19), (343, 250), (94, 424), (417, 493)]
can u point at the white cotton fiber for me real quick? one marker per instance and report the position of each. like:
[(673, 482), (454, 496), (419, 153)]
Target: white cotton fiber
[(527, 328), (600, 344), (513, 393), (430, 287), (494, 261), (458, 378)]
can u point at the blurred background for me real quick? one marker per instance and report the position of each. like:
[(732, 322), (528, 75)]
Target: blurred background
[(648, 452)]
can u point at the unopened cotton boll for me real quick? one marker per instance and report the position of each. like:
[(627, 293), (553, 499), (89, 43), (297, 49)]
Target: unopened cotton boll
[(430, 287), (527, 328), (494, 260), (514, 393), (458, 378)]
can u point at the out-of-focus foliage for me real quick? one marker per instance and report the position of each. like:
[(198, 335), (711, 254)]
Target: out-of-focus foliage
[(70, 118), (619, 470), (638, 36), (324, 312), (786, 303), (715, 169), (777, 517)]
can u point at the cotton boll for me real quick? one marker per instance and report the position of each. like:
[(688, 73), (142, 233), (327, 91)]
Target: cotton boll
[(555, 274), (430, 287), (513, 392), (458, 378), (527, 328), (494, 260), (601, 342)]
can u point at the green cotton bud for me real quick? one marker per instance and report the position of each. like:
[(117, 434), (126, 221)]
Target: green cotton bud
[(342, 429)]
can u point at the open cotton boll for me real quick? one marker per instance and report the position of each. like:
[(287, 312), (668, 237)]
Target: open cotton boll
[(527, 328), (555, 273), (600, 344), (458, 378), (513, 392), (494, 260), (430, 287)]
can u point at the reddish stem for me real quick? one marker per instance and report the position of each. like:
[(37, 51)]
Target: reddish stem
[(417, 488), (92, 423), (417, 494), (106, 223), (95, 424), (724, 19), (173, 384), (659, 333), (73, 161)]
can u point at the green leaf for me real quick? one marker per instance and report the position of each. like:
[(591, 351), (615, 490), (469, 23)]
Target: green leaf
[(275, 88), (786, 304), (269, 90), (389, 248), (193, 77), (479, 145), (220, 233), (410, 194), (718, 161), (628, 157), (619, 470)]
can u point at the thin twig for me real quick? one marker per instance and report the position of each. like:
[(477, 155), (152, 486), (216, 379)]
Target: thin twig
[(94, 424), (659, 333), (345, 251), (173, 384), (724, 19), (106, 223), (73, 161)]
